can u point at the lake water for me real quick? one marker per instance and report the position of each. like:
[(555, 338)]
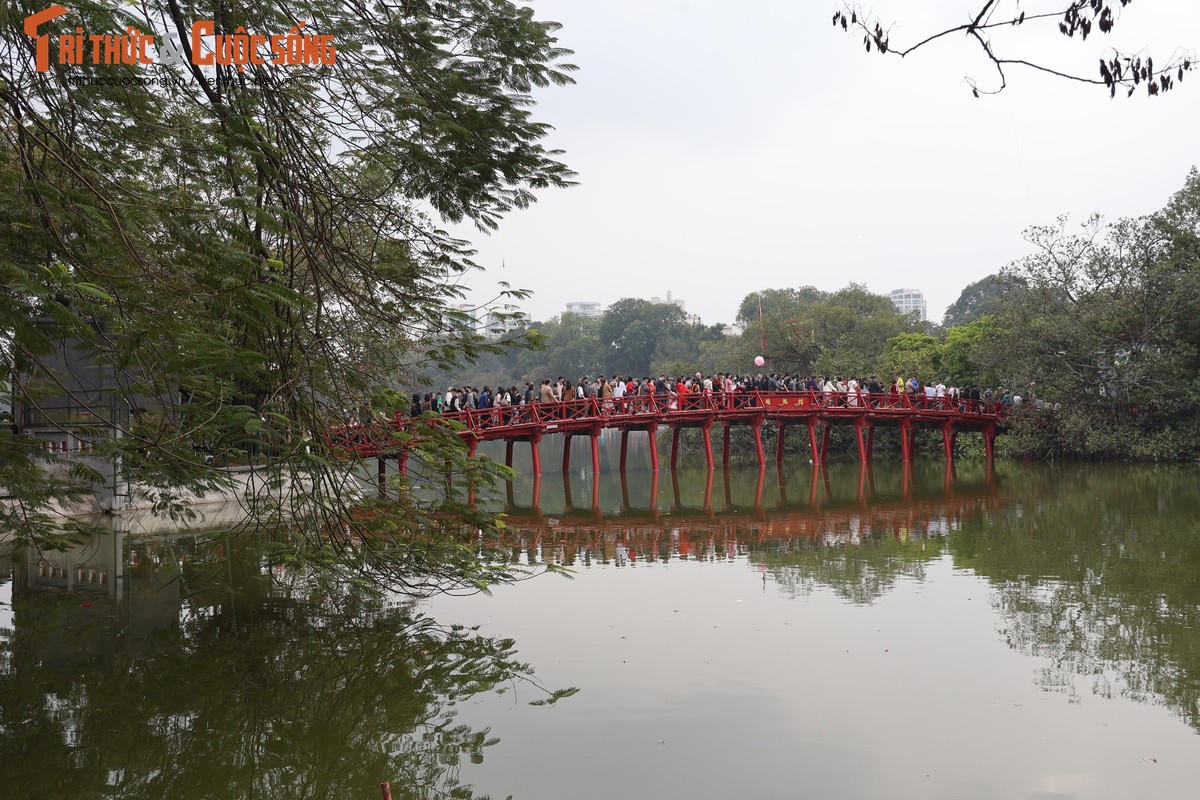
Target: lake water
[(1033, 632)]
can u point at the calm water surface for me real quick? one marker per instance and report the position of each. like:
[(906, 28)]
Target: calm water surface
[(1033, 633)]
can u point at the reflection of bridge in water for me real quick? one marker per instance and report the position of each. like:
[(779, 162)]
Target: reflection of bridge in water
[(730, 521)]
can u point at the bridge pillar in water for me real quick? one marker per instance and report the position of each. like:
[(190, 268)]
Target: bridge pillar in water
[(595, 437), (725, 447), (382, 467), (566, 461), (781, 433), (708, 453), (948, 439), (756, 424), (674, 446), (860, 439), (812, 441), (508, 453), (825, 441), (652, 434), (535, 454), (472, 446), (906, 441), (624, 448)]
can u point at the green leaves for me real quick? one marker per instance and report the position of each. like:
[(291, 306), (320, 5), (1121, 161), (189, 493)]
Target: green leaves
[(246, 260)]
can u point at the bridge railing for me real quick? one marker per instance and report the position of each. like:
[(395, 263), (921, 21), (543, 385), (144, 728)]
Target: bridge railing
[(540, 414)]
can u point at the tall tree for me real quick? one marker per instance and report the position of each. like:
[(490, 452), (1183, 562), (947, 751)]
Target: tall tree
[(633, 329), (1106, 326), (984, 296), (255, 247)]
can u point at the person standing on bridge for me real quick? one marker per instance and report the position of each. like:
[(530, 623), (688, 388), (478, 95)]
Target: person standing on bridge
[(619, 390), (606, 396), (682, 393)]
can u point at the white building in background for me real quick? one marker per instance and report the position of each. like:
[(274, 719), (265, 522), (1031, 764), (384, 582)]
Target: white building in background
[(474, 320), (495, 327), (487, 322), (669, 301), (907, 301), (586, 308)]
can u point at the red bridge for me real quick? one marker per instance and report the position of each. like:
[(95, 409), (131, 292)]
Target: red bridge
[(817, 412)]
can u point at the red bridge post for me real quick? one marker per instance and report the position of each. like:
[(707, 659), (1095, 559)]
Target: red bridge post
[(533, 451), (652, 434), (708, 453), (906, 441), (812, 441), (595, 437), (860, 439), (758, 445)]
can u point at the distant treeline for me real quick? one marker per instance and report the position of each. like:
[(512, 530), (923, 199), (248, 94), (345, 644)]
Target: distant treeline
[(1101, 319)]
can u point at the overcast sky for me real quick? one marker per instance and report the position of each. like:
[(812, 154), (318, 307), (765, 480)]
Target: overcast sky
[(724, 148)]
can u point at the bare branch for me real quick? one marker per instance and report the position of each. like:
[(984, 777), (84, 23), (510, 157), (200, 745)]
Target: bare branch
[(1117, 69)]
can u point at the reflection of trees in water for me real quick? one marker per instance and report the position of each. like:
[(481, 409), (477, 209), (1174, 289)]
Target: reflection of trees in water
[(857, 568), (1098, 572), (316, 691)]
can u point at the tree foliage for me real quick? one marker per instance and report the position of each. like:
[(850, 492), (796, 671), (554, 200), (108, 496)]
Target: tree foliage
[(1105, 325), (253, 251), (984, 296), (633, 329)]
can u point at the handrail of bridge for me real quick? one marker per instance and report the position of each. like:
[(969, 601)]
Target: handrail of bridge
[(630, 411), (632, 407)]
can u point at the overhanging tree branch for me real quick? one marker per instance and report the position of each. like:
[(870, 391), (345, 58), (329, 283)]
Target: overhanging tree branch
[(1117, 69)]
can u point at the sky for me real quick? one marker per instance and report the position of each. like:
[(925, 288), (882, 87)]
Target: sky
[(726, 148)]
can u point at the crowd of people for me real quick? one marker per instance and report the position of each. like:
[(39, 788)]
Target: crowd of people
[(722, 390)]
